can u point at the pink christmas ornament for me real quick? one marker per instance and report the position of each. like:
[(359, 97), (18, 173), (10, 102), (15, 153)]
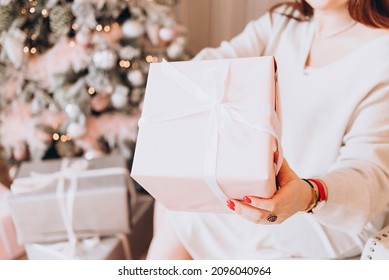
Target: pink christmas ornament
[(20, 152), (100, 102)]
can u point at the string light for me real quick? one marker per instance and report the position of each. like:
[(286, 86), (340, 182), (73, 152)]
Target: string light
[(23, 11), (45, 13), (91, 90), (26, 49), (74, 26), (33, 50), (152, 59), (72, 44), (124, 63), (32, 10), (99, 27), (107, 28), (63, 138)]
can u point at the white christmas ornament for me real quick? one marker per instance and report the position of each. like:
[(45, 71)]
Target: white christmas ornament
[(75, 130), (121, 89), (73, 111), (136, 78), (174, 51), (167, 34), (104, 59), (83, 38), (119, 100), (133, 28)]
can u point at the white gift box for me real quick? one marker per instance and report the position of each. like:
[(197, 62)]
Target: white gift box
[(53, 201), (208, 132)]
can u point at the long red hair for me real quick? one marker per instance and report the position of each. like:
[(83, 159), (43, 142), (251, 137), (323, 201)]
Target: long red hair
[(374, 13)]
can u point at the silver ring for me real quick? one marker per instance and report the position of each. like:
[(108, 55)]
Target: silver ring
[(271, 218)]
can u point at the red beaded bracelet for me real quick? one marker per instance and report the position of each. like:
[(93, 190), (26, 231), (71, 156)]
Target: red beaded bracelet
[(320, 187)]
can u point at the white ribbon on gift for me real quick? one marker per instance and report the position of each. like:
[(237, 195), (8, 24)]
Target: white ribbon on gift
[(221, 113), (62, 251), (70, 171)]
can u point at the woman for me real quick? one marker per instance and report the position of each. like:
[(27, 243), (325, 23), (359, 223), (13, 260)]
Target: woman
[(334, 85)]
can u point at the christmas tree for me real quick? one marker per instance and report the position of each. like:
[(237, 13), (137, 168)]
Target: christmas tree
[(73, 73)]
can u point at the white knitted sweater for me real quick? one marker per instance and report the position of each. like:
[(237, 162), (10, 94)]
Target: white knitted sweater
[(335, 127)]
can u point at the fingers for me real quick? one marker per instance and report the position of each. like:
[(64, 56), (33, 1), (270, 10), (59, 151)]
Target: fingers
[(257, 212), (286, 202), (260, 203)]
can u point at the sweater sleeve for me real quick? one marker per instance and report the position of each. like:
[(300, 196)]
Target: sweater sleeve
[(358, 182), (251, 42)]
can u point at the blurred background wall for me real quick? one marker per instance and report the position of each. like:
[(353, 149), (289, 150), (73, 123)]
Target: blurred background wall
[(211, 21)]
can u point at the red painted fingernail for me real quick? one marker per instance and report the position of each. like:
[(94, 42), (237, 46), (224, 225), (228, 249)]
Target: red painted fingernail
[(231, 205), (247, 199)]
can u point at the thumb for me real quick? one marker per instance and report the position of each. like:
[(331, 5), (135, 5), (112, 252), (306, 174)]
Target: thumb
[(286, 174)]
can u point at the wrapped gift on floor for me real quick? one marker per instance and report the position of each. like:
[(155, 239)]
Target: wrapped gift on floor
[(107, 248), (208, 132), (54, 200), (9, 247), (119, 247)]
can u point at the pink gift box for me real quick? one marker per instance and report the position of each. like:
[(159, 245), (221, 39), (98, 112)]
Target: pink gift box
[(9, 247), (208, 132)]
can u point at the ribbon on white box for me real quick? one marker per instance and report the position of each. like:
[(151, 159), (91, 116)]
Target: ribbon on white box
[(221, 113), (68, 171)]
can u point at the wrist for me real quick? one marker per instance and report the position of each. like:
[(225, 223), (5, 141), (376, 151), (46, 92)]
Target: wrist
[(313, 199), (319, 194)]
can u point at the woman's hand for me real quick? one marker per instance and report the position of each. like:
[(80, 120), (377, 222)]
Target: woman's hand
[(294, 195)]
